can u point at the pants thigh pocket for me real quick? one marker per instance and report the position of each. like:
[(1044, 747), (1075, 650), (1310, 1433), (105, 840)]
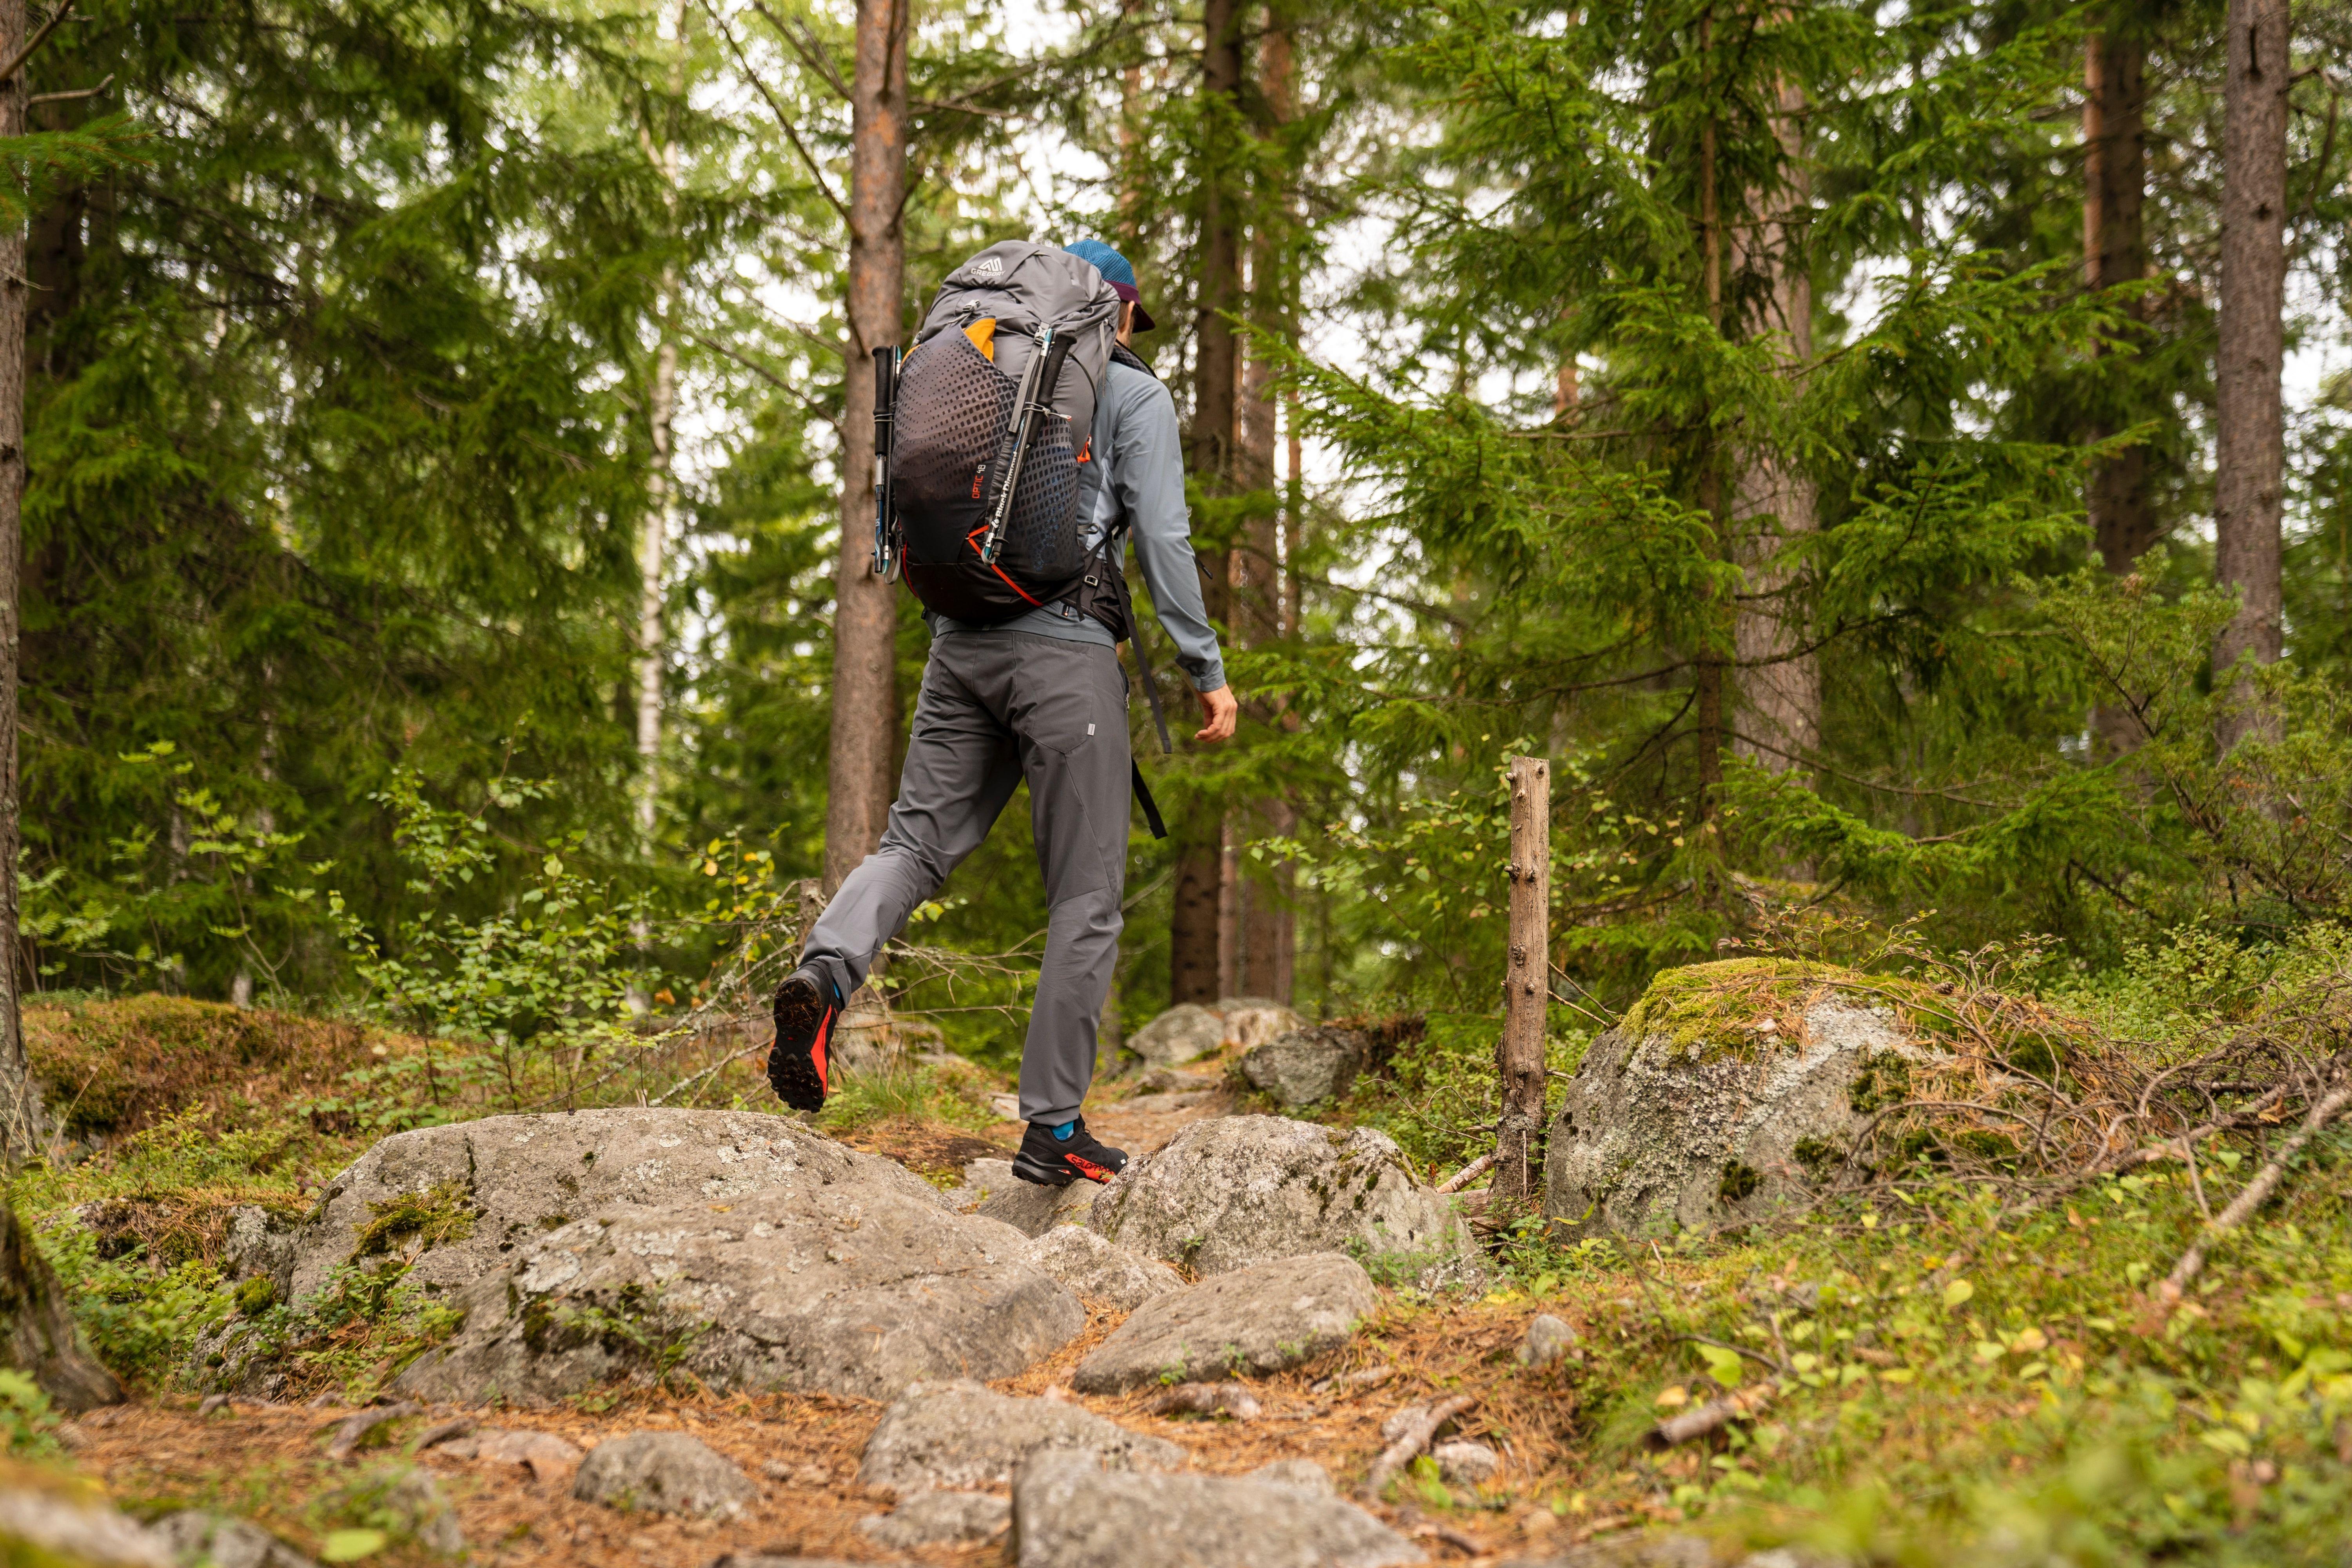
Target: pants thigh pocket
[(1063, 698)]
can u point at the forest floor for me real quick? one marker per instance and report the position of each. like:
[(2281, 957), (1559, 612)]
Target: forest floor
[(2041, 1406)]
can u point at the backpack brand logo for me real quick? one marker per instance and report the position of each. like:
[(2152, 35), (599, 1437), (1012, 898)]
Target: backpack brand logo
[(988, 267)]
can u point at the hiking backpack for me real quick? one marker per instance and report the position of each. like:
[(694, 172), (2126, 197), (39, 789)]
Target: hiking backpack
[(984, 434)]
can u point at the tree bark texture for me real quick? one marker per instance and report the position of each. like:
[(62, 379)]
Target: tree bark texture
[(21, 1118), (1526, 987), (2250, 444), (654, 533), (1199, 830), (1265, 931), (1774, 500), (2115, 250), (866, 609)]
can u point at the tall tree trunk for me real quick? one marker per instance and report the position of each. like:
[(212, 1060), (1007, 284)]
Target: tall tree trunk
[(656, 528), (1265, 931), (1708, 672), (21, 1118), (1193, 946), (37, 1332), (2115, 250), (865, 608), (2250, 444), (1780, 687)]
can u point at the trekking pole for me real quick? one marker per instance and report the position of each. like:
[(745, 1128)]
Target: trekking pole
[(1037, 379), (885, 404)]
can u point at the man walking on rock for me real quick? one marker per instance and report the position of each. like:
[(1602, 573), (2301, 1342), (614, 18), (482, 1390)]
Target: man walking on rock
[(1040, 698)]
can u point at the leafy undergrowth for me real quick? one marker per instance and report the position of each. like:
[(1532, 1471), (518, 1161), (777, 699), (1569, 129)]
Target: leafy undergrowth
[(2039, 1405)]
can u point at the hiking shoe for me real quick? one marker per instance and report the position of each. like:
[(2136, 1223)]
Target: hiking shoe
[(805, 1009), (1055, 1162)]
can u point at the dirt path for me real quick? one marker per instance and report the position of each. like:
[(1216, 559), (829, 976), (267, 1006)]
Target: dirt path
[(269, 1464)]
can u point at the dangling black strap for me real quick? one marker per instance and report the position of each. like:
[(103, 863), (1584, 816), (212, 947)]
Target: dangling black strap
[(1143, 798)]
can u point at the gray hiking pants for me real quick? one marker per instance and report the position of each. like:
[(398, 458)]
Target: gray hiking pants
[(997, 708)]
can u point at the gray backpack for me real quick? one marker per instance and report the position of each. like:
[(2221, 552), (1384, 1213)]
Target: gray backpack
[(984, 433)]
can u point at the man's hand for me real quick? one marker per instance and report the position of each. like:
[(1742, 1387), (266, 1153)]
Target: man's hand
[(1219, 714)]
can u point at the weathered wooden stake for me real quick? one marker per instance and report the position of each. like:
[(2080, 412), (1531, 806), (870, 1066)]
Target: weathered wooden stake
[(1526, 987)]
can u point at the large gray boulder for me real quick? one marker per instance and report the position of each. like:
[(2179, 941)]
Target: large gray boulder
[(929, 1517), (45, 1523), (1722, 1093), (855, 1288), (1237, 1190), (958, 1434), (459, 1202), (1305, 1066), (664, 1472), (1068, 1513), (1185, 1033), (1252, 1322), (1094, 1269)]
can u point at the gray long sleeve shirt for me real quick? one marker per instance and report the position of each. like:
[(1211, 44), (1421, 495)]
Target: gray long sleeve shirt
[(1136, 441)]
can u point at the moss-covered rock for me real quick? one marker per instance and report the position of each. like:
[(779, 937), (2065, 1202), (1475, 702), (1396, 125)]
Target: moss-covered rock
[(1732, 1089)]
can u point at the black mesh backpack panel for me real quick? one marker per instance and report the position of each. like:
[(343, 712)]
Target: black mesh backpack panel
[(952, 409)]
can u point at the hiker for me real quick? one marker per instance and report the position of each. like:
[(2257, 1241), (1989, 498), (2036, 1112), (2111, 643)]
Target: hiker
[(1020, 442)]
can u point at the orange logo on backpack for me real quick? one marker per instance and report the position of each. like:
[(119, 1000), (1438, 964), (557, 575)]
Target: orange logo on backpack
[(977, 476)]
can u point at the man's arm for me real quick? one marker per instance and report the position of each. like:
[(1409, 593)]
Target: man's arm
[(1148, 473)]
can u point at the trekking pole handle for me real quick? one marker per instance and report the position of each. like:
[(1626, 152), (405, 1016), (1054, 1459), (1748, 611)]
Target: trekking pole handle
[(1024, 408), (885, 401)]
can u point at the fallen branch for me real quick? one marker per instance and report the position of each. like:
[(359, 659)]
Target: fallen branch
[(1411, 1441), (1362, 1380), (1469, 1174), (2257, 1192), (348, 1434), (1708, 1417), (1208, 1399)]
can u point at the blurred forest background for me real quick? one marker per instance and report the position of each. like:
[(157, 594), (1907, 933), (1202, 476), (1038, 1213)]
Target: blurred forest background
[(1895, 460)]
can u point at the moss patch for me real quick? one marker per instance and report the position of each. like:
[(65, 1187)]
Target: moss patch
[(114, 1067), (1713, 1010), (438, 1214)]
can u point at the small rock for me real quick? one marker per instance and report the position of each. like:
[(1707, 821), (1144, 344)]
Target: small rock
[(196, 1537), (1307, 1065), (1094, 1269), (1258, 1320), (550, 1460), (664, 1472), (1186, 1031), (1165, 1104), (258, 1245), (1547, 1339), (417, 1502), (1069, 1514), (963, 1434), (212, 1402), (1464, 1463), (1299, 1475), (71, 1438), (928, 1518)]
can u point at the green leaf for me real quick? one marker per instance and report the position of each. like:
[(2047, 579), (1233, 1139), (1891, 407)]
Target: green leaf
[(1957, 1293), (1724, 1366), (351, 1545)]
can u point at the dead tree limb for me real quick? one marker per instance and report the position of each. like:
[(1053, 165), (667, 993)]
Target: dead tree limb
[(2257, 1192), (1410, 1442)]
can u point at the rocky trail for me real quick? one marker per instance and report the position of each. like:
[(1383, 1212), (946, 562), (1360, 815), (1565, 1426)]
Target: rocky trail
[(706, 1337)]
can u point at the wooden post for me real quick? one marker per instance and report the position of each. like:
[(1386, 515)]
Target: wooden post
[(1526, 988)]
